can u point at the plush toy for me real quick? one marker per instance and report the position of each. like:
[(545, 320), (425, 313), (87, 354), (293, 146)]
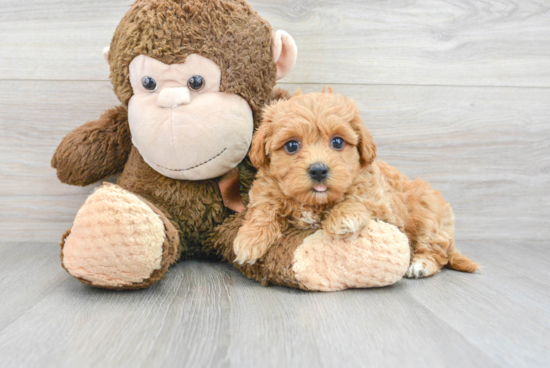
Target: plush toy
[(192, 77)]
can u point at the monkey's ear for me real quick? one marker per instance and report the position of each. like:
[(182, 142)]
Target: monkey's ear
[(284, 52), (106, 53)]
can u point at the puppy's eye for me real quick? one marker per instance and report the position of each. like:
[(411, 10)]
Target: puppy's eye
[(292, 147), (196, 83), (337, 143), (149, 84)]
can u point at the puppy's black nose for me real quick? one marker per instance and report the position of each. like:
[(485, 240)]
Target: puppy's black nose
[(318, 171)]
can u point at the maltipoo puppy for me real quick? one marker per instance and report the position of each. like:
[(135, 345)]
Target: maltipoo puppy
[(317, 170)]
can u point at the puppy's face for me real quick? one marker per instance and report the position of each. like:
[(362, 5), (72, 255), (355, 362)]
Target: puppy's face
[(313, 145)]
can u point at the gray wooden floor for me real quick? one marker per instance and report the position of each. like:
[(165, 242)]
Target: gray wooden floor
[(454, 91)]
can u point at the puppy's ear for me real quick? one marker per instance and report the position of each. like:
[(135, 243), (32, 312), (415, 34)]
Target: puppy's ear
[(366, 146), (259, 152)]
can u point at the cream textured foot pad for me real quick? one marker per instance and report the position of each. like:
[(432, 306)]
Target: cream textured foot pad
[(116, 239), (379, 256)]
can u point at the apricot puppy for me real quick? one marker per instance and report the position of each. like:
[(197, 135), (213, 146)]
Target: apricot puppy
[(316, 169)]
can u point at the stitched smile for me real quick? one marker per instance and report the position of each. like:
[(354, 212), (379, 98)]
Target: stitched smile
[(194, 167)]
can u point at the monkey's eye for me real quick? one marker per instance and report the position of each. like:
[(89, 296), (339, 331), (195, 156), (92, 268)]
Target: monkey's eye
[(149, 84), (195, 83), (337, 143), (292, 147)]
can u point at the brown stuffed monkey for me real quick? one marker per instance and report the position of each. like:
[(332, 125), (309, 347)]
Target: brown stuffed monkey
[(192, 77)]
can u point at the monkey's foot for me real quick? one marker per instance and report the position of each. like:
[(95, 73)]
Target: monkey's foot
[(379, 256), (119, 241)]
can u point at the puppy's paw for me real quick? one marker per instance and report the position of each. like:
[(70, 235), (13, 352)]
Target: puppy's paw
[(248, 248), (420, 268), (346, 225)]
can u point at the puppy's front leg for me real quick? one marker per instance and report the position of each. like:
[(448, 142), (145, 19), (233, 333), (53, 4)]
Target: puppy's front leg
[(260, 230), (347, 219)]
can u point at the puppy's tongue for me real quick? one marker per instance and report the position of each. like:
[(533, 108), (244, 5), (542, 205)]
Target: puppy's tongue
[(320, 188)]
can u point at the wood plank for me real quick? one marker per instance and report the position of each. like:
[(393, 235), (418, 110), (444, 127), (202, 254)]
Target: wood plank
[(35, 205), (39, 218), (29, 272), (408, 63), (354, 328), (505, 310), (57, 40), (422, 42), (487, 149), (207, 314), (177, 322)]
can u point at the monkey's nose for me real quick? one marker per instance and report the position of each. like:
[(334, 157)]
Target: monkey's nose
[(171, 98), (318, 171)]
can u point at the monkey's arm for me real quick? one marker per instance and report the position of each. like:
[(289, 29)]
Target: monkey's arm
[(95, 150)]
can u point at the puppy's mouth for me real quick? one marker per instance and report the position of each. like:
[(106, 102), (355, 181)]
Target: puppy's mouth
[(320, 188)]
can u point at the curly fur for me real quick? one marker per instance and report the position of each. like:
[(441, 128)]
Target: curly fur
[(96, 150), (359, 188)]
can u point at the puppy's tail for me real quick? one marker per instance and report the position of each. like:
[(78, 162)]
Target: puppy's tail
[(462, 263)]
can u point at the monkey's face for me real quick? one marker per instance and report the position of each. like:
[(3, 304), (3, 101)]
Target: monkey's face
[(195, 75), (181, 123)]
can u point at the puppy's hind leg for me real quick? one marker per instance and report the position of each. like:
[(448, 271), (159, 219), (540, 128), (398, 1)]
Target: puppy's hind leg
[(427, 258), (431, 232)]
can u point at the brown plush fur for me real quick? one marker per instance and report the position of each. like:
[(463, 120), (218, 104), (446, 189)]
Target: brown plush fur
[(359, 189), (96, 150), (275, 268), (228, 32)]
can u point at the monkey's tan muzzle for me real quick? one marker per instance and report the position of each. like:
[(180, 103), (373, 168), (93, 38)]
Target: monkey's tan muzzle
[(170, 98)]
